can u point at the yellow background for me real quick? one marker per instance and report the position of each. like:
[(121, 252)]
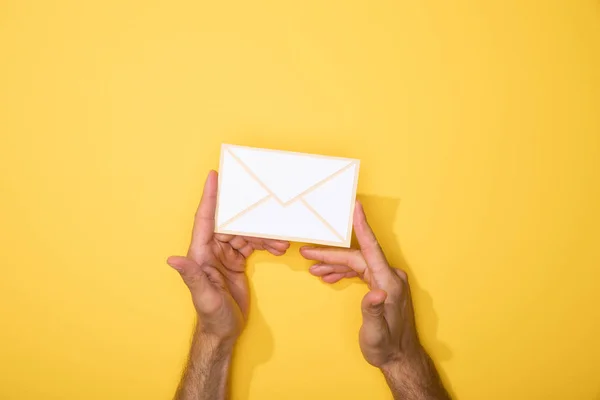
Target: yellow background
[(478, 127)]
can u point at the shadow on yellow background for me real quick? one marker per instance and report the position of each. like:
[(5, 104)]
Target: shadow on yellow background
[(382, 213), (256, 352), (382, 218)]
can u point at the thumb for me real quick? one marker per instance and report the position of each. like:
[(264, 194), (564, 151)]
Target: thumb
[(374, 323), (190, 271)]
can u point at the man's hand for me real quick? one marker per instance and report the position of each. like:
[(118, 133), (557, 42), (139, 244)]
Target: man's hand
[(388, 337), (214, 270), (388, 333)]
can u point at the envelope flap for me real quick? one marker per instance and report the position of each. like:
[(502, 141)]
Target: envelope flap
[(288, 174)]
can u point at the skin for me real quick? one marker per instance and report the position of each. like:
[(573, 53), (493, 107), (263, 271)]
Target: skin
[(388, 336), (214, 272)]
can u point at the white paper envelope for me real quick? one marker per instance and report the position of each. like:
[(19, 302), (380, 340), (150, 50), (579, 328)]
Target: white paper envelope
[(285, 195)]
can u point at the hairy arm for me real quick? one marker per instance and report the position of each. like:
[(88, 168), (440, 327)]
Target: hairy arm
[(388, 337), (214, 271), (207, 372), (415, 378)]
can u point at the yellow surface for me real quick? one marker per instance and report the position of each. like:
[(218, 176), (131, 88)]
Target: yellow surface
[(478, 127)]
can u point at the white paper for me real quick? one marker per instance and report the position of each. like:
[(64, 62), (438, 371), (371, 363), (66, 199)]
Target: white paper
[(285, 195)]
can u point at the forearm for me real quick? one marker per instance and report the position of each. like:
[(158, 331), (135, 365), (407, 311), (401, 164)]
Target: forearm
[(415, 379), (207, 372)]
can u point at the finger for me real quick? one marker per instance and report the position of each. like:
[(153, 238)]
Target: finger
[(333, 278), (204, 221), (190, 272), (374, 327), (247, 250), (348, 257), (401, 274), (274, 251), (369, 246), (223, 237), (338, 276), (325, 269), (237, 242), (276, 244)]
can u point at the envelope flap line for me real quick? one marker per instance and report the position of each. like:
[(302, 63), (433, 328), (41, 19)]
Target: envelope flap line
[(278, 173), (244, 212), (323, 220), (253, 175), (320, 183)]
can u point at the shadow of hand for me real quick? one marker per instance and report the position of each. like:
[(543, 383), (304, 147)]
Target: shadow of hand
[(382, 212), (250, 352), (382, 215)]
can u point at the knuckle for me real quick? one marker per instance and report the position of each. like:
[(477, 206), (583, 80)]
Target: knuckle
[(401, 274), (375, 311)]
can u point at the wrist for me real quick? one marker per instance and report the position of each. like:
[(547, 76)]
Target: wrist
[(405, 364), (213, 343), (414, 377), (208, 367)]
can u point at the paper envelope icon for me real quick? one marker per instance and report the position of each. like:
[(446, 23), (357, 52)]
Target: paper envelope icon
[(285, 195)]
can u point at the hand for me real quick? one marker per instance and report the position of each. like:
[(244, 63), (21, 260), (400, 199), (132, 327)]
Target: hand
[(388, 332), (215, 270)]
